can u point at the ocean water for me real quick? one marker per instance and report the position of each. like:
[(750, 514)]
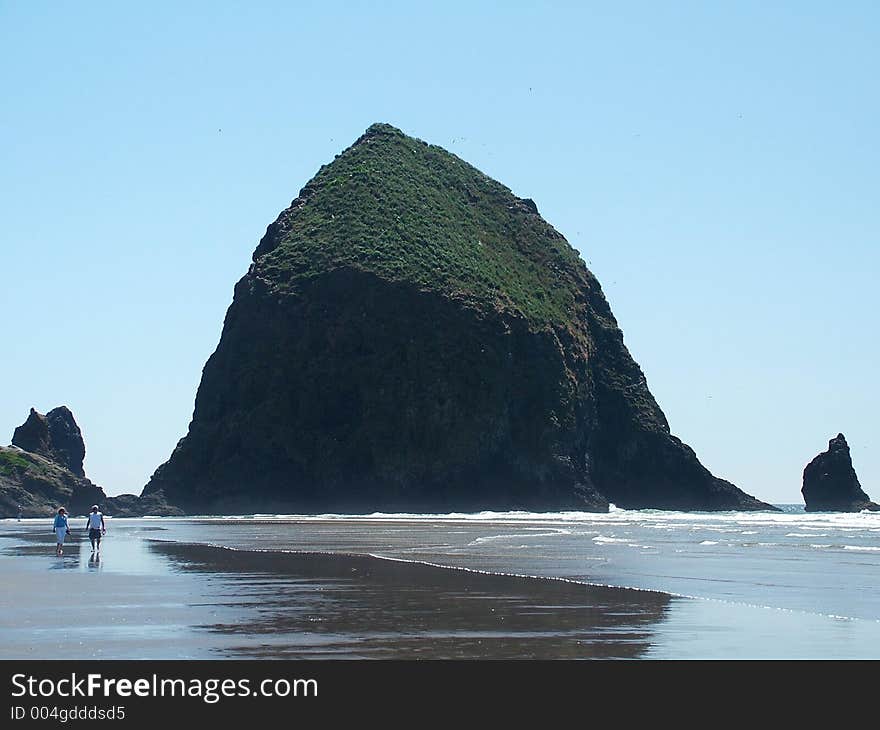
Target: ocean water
[(736, 584), (822, 563), (788, 585)]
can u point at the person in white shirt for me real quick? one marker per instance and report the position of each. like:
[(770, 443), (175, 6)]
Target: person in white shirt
[(96, 527)]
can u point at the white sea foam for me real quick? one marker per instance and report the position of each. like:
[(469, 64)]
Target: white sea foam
[(603, 540), (518, 536), (744, 522)]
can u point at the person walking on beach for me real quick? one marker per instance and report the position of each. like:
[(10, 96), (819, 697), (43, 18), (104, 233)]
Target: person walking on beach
[(61, 530), (96, 528)]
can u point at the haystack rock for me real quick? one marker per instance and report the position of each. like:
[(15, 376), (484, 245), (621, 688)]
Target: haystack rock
[(412, 336), (831, 484)]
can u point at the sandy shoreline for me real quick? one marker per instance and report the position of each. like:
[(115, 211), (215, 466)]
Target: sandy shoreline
[(152, 599), (309, 588)]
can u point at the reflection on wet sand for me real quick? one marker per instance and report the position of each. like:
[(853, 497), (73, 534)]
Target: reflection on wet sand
[(300, 605)]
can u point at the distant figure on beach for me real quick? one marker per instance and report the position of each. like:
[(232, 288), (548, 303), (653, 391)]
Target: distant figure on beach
[(96, 528), (61, 530)]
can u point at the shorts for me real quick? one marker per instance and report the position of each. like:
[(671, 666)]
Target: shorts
[(61, 533), (94, 534)]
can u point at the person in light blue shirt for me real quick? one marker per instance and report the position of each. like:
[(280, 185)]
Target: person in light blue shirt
[(61, 530)]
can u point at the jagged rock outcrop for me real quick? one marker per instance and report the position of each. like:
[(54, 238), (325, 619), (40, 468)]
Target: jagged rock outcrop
[(413, 336), (831, 484), (55, 436), (33, 435), (43, 470)]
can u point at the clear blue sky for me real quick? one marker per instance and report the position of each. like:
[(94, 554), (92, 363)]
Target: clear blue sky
[(716, 164)]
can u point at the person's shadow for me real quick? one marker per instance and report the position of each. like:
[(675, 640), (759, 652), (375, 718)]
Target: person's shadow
[(95, 561)]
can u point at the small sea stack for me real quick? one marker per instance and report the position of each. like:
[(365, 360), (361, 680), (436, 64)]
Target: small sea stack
[(43, 468), (831, 484), (55, 436)]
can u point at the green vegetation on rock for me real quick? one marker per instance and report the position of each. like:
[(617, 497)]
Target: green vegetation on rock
[(409, 211), (11, 461)]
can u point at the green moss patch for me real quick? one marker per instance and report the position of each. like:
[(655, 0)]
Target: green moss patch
[(11, 461), (408, 211)]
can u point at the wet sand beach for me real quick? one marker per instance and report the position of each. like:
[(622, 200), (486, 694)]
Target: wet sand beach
[(499, 587), (361, 606), (150, 599)]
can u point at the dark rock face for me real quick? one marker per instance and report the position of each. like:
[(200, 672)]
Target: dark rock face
[(66, 438), (831, 484), (33, 435), (131, 505), (411, 336), (55, 436)]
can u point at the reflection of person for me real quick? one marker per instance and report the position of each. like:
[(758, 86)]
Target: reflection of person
[(60, 529), (96, 527)]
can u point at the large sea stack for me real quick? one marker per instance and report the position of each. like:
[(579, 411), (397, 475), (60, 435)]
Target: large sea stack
[(413, 336), (831, 484)]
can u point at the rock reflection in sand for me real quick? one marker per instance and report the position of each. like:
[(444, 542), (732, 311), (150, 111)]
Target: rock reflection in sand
[(324, 605)]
